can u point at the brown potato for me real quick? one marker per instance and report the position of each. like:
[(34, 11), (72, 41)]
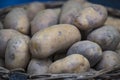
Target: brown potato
[(33, 8), (17, 53), (37, 67), (52, 39), (109, 60), (107, 37), (70, 11), (91, 17), (74, 63), (5, 35), (44, 19), (113, 21), (88, 49), (17, 19)]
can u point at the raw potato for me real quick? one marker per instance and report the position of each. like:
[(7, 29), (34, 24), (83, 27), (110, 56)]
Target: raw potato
[(33, 8), (17, 19), (74, 63), (70, 11), (52, 39), (107, 37), (1, 25), (91, 17), (88, 49), (5, 35), (109, 60), (44, 19), (17, 53), (113, 21), (2, 63), (37, 67)]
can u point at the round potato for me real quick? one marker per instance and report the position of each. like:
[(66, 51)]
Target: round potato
[(91, 17), (74, 63), (70, 11), (33, 8), (109, 60), (113, 21), (17, 19), (5, 35), (52, 39), (44, 19), (37, 67), (88, 49), (107, 37), (17, 53), (2, 62)]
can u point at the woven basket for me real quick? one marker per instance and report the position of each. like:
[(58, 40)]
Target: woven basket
[(19, 74)]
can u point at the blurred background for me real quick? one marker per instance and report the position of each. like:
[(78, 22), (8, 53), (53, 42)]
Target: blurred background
[(110, 3)]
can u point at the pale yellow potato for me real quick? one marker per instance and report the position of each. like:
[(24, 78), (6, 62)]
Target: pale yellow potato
[(91, 17), (37, 66), (52, 39), (17, 19), (33, 8), (113, 21), (74, 63), (17, 53), (44, 19)]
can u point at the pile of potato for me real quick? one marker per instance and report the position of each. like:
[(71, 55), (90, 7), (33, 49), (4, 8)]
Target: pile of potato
[(72, 39)]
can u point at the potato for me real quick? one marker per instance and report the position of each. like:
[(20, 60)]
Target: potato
[(33, 8), (52, 39), (91, 17), (17, 53), (88, 49), (113, 21), (17, 19), (44, 19), (70, 11), (74, 63), (2, 62), (107, 37), (37, 67), (1, 25), (5, 35), (109, 60)]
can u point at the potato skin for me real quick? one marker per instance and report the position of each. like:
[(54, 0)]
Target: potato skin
[(107, 37), (44, 19), (91, 17), (58, 37), (37, 67), (109, 60), (5, 35), (17, 53), (70, 11), (74, 63), (17, 19), (33, 8), (88, 49)]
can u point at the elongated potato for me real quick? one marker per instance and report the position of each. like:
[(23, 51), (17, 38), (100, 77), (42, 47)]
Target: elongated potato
[(70, 11), (17, 53), (44, 19), (33, 8), (58, 37), (17, 19), (74, 63), (88, 49), (109, 59), (37, 67), (91, 17), (107, 37), (5, 35)]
